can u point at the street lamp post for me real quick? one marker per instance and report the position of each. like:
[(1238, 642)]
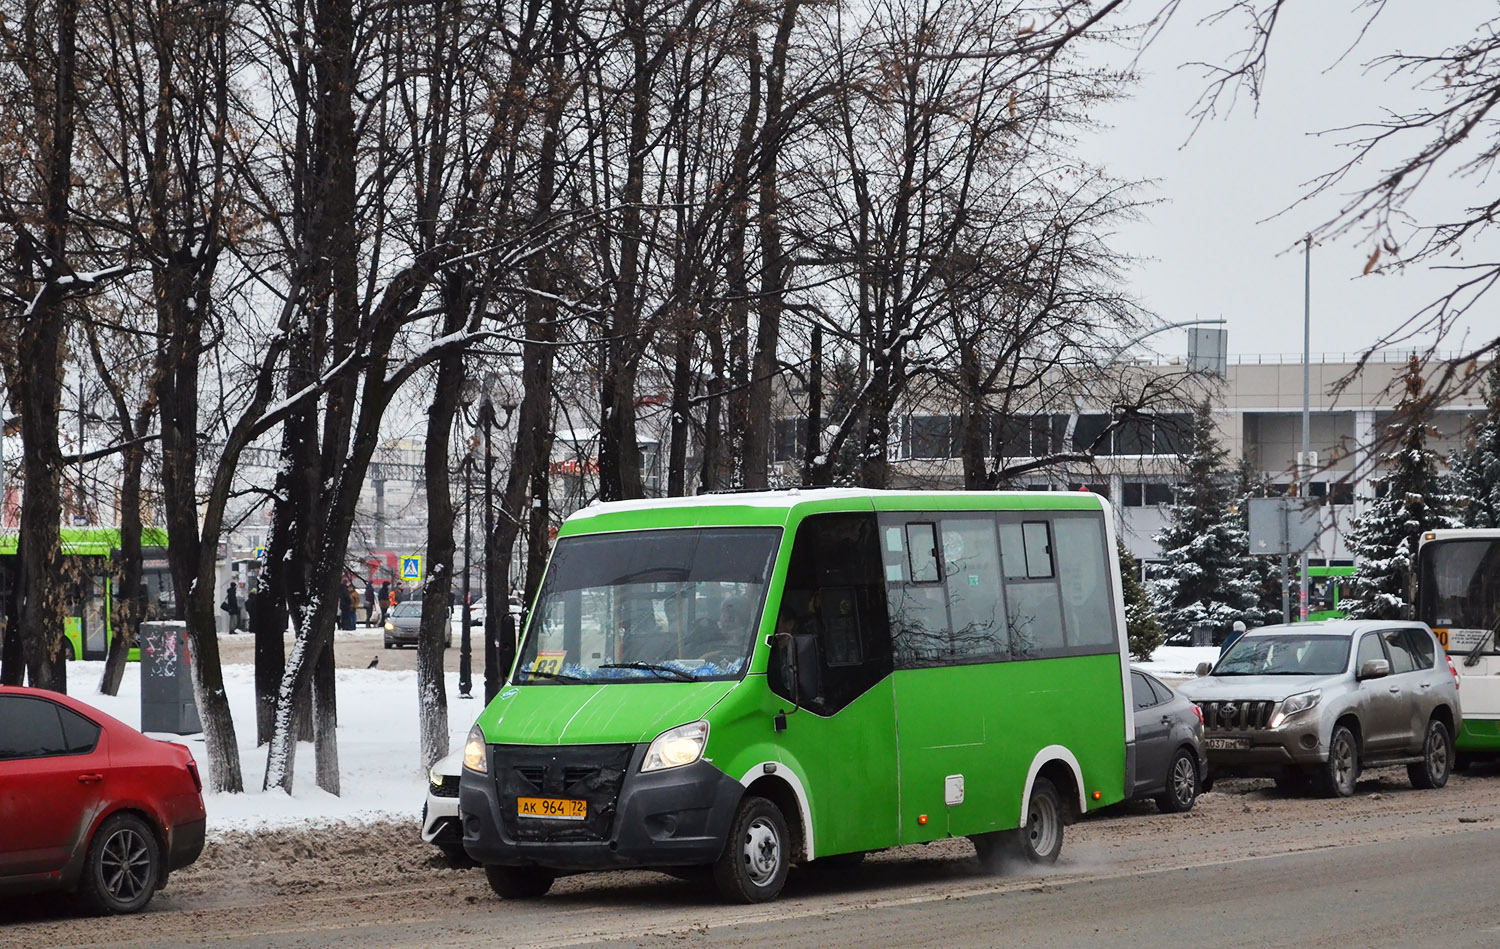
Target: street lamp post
[(495, 596), (465, 648)]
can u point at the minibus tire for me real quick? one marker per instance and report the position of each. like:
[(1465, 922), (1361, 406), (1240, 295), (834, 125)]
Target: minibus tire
[(1044, 825), (753, 866), (519, 883)]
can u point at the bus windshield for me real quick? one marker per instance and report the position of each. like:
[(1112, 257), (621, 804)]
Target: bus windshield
[(1458, 586), (1285, 656), (676, 605)]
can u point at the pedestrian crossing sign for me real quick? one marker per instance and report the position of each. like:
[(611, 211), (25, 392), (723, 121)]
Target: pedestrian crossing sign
[(411, 568)]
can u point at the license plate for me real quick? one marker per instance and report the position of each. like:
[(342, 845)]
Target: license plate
[(1228, 744), (552, 808)]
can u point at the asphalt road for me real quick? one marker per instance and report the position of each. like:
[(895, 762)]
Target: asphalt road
[(1249, 867)]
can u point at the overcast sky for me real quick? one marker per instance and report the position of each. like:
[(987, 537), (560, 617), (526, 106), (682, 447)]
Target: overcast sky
[(1219, 247)]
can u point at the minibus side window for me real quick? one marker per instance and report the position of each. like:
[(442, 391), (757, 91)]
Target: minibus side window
[(971, 557), (1083, 569), (1033, 607), (833, 608), (919, 627)]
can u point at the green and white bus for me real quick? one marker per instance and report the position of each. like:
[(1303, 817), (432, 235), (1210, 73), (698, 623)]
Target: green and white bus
[(747, 682), (88, 563), (1458, 595)]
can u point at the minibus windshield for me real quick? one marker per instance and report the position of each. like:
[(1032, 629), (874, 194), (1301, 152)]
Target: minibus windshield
[(649, 606)]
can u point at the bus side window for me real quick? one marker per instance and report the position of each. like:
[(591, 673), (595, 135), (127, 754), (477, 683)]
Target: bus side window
[(1083, 572), (1032, 602), (971, 554), (918, 602), (833, 607)]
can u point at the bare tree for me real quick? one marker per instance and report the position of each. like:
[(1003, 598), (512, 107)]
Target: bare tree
[(1390, 161)]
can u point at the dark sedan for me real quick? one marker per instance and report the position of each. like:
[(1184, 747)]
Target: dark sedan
[(404, 622), (88, 803), (1170, 763)]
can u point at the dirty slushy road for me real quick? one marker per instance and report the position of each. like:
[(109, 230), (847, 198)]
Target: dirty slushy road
[(1249, 866)]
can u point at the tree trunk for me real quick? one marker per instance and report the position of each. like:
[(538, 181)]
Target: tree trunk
[(682, 381), (41, 610), (125, 618), (325, 720), (619, 452), (715, 458), (268, 625), (432, 695)]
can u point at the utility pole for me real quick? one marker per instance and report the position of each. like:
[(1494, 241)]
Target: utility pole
[(1304, 461)]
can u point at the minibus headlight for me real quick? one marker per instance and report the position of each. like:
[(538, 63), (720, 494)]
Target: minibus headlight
[(1300, 702), (676, 747), (475, 751)]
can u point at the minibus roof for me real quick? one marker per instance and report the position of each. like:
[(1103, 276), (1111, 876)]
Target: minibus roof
[(777, 508)]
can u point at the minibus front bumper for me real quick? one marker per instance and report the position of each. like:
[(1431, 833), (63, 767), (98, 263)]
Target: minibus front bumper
[(669, 818)]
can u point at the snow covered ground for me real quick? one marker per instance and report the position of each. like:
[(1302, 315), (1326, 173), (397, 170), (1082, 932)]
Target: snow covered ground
[(378, 749), (379, 770), (1175, 663)]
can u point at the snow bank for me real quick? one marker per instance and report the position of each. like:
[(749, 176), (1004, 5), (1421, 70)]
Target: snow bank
[(378, 748), (1178, 662)]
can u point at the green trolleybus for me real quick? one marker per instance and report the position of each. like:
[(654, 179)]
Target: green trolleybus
[(1458, 595), (88, 557), (742, 683)]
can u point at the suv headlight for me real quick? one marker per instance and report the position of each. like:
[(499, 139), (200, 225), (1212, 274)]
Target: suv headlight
[(1294, 705), (475, 752), (676, 747)]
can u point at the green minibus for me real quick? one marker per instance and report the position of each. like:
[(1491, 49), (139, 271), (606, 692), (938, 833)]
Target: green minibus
[(742, 683)]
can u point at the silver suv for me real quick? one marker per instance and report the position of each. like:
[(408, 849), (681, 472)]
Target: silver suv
[(1318, 701)]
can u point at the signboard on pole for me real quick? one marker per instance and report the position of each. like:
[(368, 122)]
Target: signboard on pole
[(1283, 526), (411, 568)]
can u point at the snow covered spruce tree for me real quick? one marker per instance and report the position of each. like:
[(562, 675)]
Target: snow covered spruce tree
[(1206, 577), (1414, 498), (1476, 467), (1142, 628)]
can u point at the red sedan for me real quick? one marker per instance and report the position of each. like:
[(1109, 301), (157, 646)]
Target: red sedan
[(89, 803)]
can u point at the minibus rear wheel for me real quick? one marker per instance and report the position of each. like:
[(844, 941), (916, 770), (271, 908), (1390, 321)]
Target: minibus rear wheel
[(519, 883), (753, 866)]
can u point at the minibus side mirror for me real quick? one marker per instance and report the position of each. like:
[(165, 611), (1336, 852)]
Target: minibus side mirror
[(1204, 668)]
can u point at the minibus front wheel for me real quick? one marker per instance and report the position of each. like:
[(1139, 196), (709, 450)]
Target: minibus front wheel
[(754, 864), (519, 883)]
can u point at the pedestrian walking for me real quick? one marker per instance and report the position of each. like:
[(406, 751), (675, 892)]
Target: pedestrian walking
[(231, 605), (369, 602), (386, 601), (346, 606)]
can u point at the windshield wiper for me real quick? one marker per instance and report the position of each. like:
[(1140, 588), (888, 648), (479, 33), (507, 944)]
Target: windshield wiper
[(650, 667), (560, 676)]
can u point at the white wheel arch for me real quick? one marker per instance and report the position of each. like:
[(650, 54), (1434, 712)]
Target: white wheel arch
[(1045, 756), (788, 777)]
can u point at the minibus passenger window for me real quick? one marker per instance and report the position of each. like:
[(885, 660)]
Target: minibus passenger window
[(1082, 562), (972, 566), (921, 544), (1038, 550)]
